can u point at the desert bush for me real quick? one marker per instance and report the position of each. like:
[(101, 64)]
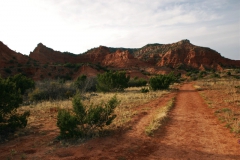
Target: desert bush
[(112, 81), (162, 81), (85, 121), (10, 100), (79, 82), (144, 90), (85, 84), (145, 73), (193, 78), (215, 75), (202, 74), (22, 82), (229, 73), (51, 90), (236, 76), (74, 66), (237, 71), (7, 70), (65, 77), (137, 82), (188, 73)]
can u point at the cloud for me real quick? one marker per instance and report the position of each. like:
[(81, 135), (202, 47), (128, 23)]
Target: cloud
[(78, 25)]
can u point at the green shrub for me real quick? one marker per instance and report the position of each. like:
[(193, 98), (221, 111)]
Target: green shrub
[(215, 75), (194, 78), (22, 82), (237, 71), (137, 82), (144, 90), (229, 73), (67, 124), (80, 81), (202, 74), (188, 73), (73, 66), (8, 70), (112, 81), (10, 99), (162, 81), (236, 76), (64, 77), (85, 121)]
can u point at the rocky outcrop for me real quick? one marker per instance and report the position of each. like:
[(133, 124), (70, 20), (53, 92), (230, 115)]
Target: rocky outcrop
[(122, 59), (44, 55), (11, 62), (45, 62), (183, 54), (97, 55), (9, 57)]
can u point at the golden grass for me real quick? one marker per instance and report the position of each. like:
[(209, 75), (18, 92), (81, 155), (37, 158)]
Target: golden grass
[(129, 99), (159, 117)]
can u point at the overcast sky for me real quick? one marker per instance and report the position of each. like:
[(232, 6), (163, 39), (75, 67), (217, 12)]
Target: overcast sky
[(79, 25)]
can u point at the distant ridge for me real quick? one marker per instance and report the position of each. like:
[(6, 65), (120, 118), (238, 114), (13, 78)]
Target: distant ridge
[(45, 62)]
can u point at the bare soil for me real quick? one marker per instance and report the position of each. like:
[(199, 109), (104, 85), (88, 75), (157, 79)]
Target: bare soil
[(192, 132)]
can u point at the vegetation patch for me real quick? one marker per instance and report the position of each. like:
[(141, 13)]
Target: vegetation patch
[(11, 91), (51, 90), (85, 121), (226, 91), (160, 82), (112, 81), (159, 118), (136, 82)]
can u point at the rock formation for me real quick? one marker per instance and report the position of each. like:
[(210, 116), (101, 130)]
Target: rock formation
[(45, 62)]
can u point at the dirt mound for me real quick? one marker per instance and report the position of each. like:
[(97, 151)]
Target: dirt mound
[(88, 71)]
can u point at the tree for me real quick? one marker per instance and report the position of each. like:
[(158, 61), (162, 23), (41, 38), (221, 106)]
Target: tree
[(112, 81), (79, 83), (10, 98), (22, 82), (162, 81)]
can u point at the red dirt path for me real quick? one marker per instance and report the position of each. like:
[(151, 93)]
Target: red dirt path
[(192, 132)]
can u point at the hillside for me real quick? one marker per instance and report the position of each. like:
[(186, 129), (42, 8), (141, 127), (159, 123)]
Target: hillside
[(183, 55), (44, 62)]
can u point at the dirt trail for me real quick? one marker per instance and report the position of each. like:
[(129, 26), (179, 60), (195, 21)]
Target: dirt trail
[(192, 132)]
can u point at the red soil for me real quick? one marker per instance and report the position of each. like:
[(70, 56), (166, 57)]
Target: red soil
[(192, 132)]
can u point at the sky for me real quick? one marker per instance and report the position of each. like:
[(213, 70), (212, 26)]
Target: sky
[(79, 25)]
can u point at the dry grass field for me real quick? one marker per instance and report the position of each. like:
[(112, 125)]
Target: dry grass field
[(129, 100), (223, 97), (41, 132), (135, 133)]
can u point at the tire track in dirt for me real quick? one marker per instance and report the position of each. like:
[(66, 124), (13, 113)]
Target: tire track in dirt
[(193, 132), (139, 128), (129, 144)]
